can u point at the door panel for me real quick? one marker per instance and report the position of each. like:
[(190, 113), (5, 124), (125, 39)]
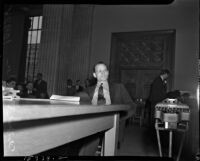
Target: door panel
[(137, 58), (138, 82)]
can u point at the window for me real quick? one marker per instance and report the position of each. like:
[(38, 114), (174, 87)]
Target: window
[(33, 44)]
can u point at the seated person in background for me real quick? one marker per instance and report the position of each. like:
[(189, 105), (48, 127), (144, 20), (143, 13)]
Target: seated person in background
[(71, 90), (9, 88), (44, 95), (78, 86), (11, 83), (20, 87), (104, 93), (87, 83), (29, 92), (40, 87)]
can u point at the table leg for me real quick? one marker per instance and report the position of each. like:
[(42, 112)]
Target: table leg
[(170, 143), (181, 146), (111, 138), (159, 144)]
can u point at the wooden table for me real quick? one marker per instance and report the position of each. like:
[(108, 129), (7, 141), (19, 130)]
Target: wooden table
[(32, 126)]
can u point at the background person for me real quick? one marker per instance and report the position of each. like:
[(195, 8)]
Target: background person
[(71, 90), (40, 87), (158, 92)]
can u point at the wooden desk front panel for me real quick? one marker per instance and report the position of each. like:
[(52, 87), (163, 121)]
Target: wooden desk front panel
[(42, 135), (33, 126)]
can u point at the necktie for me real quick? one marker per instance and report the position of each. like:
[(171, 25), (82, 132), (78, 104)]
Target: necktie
[(101, 99)]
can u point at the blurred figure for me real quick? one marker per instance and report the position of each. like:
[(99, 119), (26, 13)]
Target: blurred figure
[(158, 92), (11, 83), (87, 83), (71, 90), (20, 87), (8, 87), (29, 92), (40, 87), (78, 86)]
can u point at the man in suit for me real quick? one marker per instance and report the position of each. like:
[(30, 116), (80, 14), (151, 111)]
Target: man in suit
[(158, 91), (40, 87), (112, 93)]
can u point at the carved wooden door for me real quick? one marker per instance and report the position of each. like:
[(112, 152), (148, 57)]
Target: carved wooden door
[(137, 58)]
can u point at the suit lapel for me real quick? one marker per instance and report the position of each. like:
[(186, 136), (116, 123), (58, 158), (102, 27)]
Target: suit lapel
[(111, 90), (91, 91)]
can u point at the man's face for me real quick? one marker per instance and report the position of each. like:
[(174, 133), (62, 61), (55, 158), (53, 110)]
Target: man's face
[(101, 72), (165, 76), (29, 86)]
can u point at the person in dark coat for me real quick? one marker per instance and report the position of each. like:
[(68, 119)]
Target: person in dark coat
[(78, 86), (158, 92), (70, 90), (40, 87)]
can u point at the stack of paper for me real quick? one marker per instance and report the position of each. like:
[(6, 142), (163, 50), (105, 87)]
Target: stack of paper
[(10, 97), (9, 93), (70, 99)]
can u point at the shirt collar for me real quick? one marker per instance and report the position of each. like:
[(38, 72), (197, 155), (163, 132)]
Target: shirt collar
[(105, 84), (102, 82)]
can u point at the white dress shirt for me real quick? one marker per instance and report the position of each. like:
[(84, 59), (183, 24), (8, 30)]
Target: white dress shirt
[(106, 93)]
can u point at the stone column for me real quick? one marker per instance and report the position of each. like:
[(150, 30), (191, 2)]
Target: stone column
[(65, 44), (81, 42), (49, 55)]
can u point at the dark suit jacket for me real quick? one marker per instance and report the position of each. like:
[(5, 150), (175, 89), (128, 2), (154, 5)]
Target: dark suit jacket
[(118, 94), (158, 91), (40, 87)]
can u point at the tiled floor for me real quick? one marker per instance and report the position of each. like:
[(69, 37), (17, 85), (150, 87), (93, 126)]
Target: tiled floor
[(138, 142)]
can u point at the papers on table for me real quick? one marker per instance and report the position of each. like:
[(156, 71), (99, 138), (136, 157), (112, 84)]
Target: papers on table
[(10, 97), (68, 99), (9, 93)]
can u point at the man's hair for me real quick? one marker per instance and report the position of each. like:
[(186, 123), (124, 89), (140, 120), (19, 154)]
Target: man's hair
[(164, 71), (100, 62)]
